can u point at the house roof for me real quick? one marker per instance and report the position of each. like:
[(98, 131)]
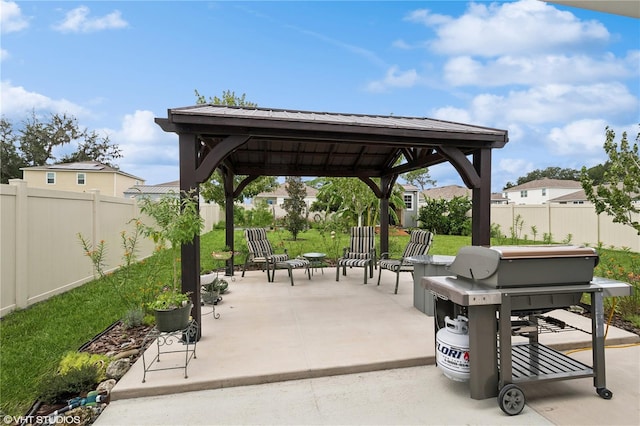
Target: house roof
[(447, 192), (82, 166), (574, 196), (281, 191), (546, 183)]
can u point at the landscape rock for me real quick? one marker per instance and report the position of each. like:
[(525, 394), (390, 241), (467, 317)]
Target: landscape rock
[(106, 386), (116, 369)]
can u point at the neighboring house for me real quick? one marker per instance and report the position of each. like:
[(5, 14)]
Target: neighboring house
[(541, 191), (153, 192), (276, 198), (409, 215), (451, 191), (80, 177), (578, 197)]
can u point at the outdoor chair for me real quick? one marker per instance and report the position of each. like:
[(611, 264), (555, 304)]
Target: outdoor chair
[(361, 252), (260, 251), (419, 244)]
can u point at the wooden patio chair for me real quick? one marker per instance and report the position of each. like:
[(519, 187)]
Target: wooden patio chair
[(361, 252), (419, 244)]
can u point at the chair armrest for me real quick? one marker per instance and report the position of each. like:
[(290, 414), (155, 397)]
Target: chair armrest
[(384, 255)]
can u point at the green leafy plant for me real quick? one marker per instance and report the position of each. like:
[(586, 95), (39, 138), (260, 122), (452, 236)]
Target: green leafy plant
[(59, 387), (177, 221), (76, 360)]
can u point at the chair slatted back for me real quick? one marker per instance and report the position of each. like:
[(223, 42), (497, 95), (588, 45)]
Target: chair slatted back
[(363, 239), (257, 242), (419, 243)]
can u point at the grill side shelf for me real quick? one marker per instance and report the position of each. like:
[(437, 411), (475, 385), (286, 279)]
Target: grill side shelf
[(536, 362)]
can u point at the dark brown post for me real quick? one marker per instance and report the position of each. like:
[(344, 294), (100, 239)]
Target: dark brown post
[(481, 199), (190, 264), (385, 182), (227, 179)]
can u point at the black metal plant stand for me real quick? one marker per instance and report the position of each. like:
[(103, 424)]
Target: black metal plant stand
[(186, 337)]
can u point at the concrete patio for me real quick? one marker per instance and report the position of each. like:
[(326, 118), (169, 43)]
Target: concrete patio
[(273, 332)]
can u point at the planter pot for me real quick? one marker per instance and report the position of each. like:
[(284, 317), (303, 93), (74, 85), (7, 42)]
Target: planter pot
[(210, 297), (174, 319)]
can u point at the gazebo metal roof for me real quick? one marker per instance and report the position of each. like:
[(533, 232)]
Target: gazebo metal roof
[(257, 142)]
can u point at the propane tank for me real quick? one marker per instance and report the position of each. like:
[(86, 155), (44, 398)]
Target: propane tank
[(452, 348)]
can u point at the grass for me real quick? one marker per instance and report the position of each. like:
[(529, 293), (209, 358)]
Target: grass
[(33, 340)]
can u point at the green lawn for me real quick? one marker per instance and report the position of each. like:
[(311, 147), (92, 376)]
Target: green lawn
[(32, 341)]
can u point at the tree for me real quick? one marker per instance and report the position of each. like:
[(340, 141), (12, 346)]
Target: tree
[(549, 172), (447, 217), (353, 200), (11, 161), (213, 189), (295, 206), (36, 140), (419, 177), (94, 148), (620, 188)]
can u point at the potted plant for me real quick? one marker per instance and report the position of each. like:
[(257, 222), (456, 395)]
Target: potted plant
[(177, 221), (212, 285)]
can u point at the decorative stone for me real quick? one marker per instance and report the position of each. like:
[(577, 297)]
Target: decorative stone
[(116, 369), (106, 386)]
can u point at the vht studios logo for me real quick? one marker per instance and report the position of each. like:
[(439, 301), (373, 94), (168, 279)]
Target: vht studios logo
[(451, 352)]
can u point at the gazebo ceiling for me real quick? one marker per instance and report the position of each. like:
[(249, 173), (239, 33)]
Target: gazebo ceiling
[(276, 142)]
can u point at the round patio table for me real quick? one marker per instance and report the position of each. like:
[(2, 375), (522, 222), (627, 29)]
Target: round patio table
[(315, 260)]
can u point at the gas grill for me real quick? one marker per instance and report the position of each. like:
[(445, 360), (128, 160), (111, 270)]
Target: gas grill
[(506, 291)]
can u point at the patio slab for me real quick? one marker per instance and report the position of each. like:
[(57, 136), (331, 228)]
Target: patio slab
[(270, 332), (273, 332)]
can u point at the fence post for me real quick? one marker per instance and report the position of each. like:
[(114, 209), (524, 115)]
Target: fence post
[(22, 241)]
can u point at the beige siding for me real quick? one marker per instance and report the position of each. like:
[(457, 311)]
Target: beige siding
[(108, 183)]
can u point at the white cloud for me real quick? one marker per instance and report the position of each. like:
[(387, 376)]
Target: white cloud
[(496, 29), (450, 113), (79, 21), (554, 103), (16, 102), (148, 152), (11, 19), (538, 69), (582, 137), (394, 78), (515, 166), (4, 54)]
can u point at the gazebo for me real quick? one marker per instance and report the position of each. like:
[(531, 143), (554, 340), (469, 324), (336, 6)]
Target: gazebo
[(254, 142)]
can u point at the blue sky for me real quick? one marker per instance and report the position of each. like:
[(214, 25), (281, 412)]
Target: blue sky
[(553, 76)]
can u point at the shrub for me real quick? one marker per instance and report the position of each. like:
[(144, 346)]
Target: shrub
[(61, 387), (77, 360)]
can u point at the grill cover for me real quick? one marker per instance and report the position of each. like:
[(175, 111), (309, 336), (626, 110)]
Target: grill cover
[(520, 266)]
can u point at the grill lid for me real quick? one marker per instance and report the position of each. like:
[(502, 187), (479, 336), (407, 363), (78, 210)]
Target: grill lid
[(480, 263)]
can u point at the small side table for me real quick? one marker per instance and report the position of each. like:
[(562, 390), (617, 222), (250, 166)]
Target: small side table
[(316, 260), (185, 337)]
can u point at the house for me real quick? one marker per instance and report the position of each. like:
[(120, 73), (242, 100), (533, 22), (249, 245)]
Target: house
[(153, 192), (80, 177), (541, 191), (409, 215), (451, 191), (276, 198)]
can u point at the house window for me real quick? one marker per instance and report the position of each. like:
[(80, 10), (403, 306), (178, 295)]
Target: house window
[(81, 178), (408, 201), (51, 178), (270, 201), (544, 192), (523, 194)]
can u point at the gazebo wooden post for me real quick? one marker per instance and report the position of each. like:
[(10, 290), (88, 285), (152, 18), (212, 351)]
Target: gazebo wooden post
[(227, 178), (385, 189), (481, 199), (190, 261)]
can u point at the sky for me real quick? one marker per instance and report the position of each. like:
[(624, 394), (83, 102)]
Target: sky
[(553, 76)]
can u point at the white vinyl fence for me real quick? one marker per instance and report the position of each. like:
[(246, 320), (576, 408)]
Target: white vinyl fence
[(578, 224), (40, 253)]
